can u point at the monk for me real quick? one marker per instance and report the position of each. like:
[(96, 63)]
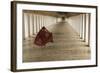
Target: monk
[(43, 37)]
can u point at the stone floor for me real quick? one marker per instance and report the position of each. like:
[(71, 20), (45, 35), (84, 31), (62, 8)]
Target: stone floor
[(67, 45)]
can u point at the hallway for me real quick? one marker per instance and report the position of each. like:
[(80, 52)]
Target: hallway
[(67, 45)]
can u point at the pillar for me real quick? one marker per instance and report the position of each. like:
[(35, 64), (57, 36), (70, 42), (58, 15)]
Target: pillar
[(36, 19), (81, 26), (23, 27), (89, 19), (34, 22), (31, 24), (26, 25), (85, 27), (38, 23)]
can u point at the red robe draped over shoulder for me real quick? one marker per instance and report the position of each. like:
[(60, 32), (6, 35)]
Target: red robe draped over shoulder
[(43, 37)]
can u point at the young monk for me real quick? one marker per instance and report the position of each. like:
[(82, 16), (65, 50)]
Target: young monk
[(43, 37)]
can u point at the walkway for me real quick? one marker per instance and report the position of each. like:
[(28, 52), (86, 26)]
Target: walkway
[(67, 46)]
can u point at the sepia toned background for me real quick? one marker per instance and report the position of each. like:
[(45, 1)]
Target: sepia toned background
[(5, 37), (71, 36)]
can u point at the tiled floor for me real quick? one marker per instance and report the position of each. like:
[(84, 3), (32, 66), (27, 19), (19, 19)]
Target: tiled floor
[(66, 46)]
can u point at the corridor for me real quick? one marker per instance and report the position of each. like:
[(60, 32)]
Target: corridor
[(67, 45)]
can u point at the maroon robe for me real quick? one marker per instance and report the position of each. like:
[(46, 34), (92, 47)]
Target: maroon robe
[(43, 37)]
